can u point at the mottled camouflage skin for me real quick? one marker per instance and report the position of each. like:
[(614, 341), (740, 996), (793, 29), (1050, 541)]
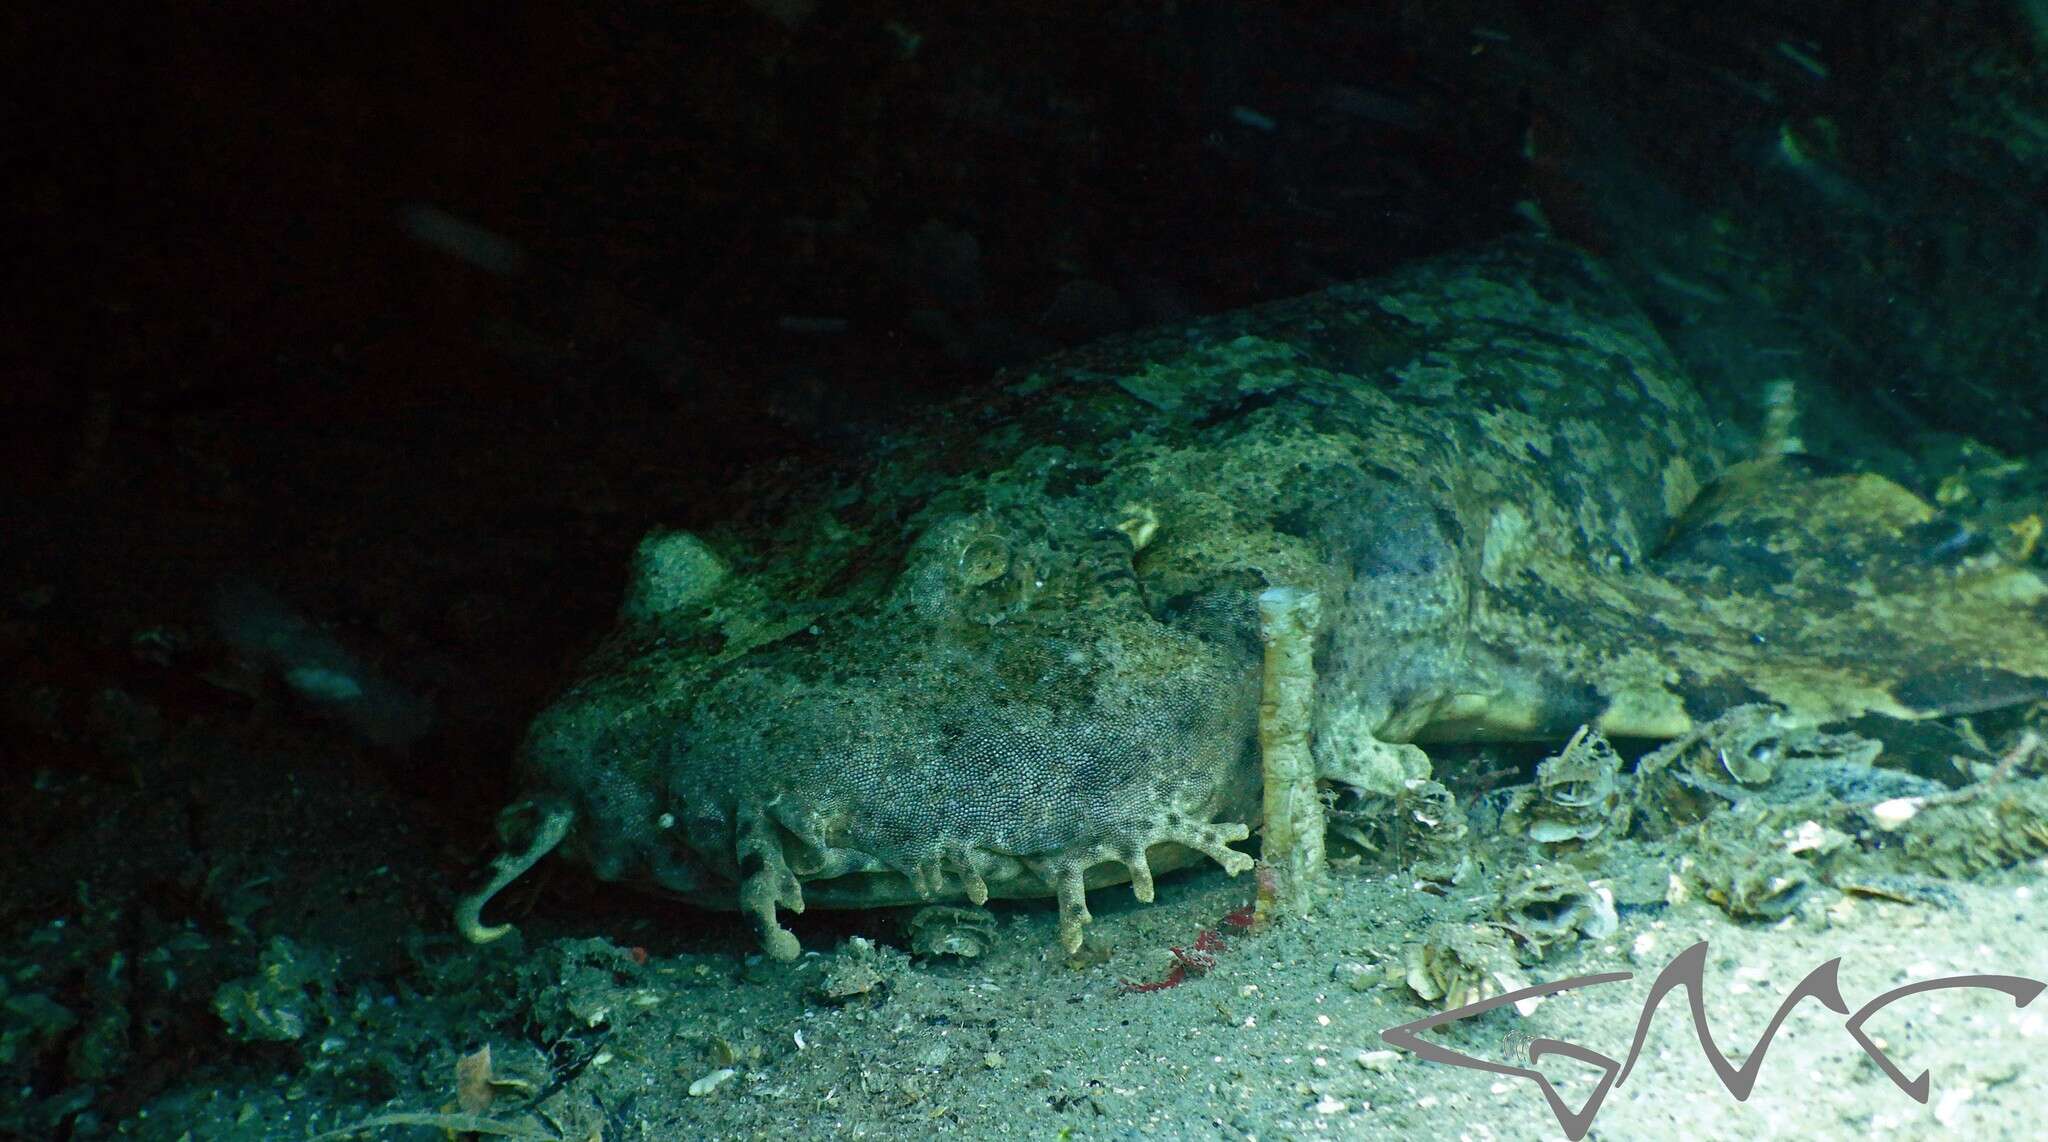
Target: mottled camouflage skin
[(1019, 653)]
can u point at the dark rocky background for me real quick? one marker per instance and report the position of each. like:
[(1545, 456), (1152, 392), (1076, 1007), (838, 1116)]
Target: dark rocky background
[(382, 332)]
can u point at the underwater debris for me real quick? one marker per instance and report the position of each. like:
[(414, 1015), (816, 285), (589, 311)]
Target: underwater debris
[(288, 998), (2028, 750), (489, 1076), (1760, 847), (473, 1092), (1811, 836), (1897, 888), (1553, 905), (1464, 963), (952, 930), (1981, 827), (582, 985), (1292, 842), (1728, 760), (1757, 859), (1766, 858), (1579, 795), (1436, 833), (1422, 828), (860, 968), (709, 1083), (452, 1124), (1745, 883)]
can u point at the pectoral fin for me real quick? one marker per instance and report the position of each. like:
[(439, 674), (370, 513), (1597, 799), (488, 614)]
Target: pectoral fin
[(1830, 596)]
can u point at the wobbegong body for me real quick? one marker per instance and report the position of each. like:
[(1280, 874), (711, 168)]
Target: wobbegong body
[(1018, 655)]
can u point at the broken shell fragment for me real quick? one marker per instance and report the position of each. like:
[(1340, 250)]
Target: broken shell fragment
[(1890, 815), (1462, 964), (950, 930), (711, 1082), (1553, 905), (1578, 795)]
